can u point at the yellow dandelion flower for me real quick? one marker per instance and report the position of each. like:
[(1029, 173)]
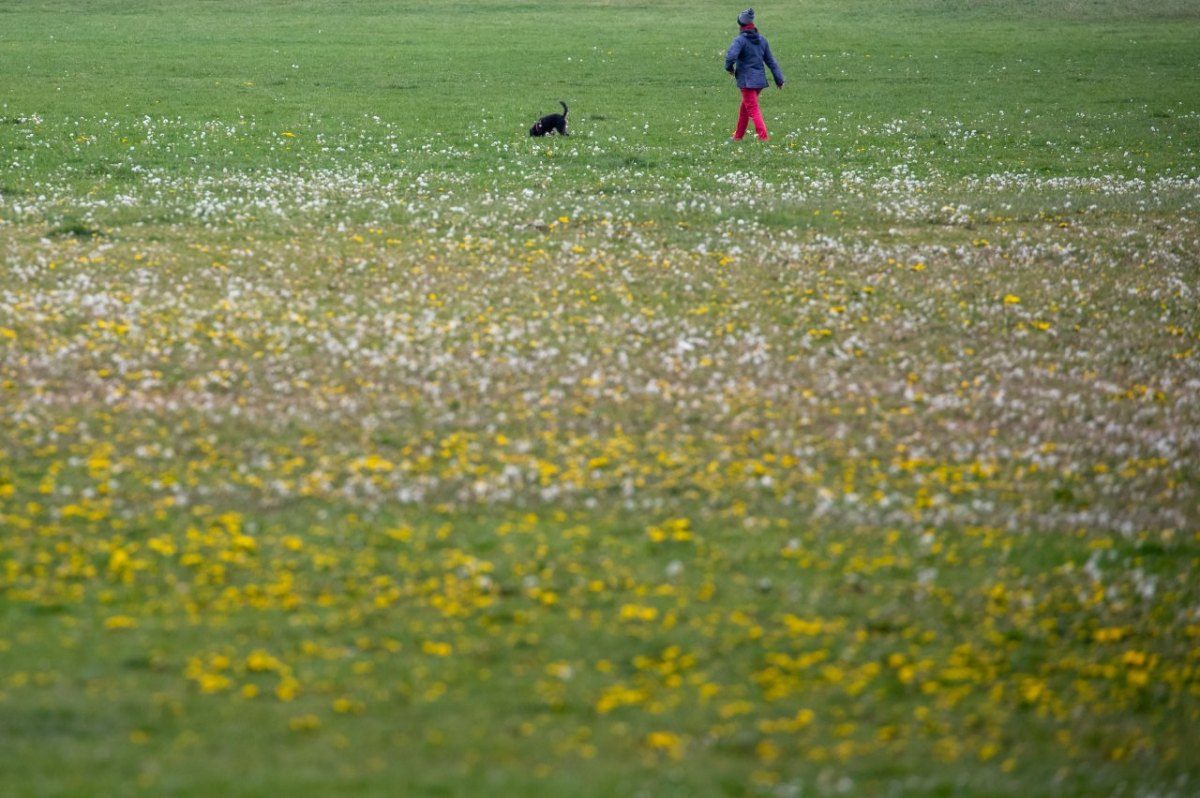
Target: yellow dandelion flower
[(120, 622), (767, 751), (666, 742), (304, 723)]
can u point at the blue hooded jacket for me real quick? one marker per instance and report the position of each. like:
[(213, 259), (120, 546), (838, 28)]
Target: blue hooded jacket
[(749, 52)]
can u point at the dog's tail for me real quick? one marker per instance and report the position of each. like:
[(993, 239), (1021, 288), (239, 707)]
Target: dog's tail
[(564, 105)]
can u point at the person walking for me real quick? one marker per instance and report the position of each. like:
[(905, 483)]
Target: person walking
[(747, 60)]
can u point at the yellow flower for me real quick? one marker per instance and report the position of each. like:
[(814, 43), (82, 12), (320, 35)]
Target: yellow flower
[(213, 683), (667, 742), (120, 622), (287, 689), (260, 662), (304, 723), (735, 708), (437, 649), (767, 751)]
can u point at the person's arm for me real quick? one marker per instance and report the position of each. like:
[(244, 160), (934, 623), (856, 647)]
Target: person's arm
[(769, 58), (731, 56)]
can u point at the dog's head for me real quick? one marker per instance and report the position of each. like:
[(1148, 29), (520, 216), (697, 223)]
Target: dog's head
[(537, 129)]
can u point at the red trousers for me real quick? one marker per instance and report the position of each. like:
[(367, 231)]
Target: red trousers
[(748, 112)]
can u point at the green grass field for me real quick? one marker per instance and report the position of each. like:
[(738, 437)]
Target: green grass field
[(356, 444)]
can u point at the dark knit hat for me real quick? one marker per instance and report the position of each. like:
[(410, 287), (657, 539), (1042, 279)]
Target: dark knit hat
[(746, 17)]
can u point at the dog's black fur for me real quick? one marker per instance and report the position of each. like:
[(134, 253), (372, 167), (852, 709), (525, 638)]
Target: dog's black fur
[(551, 123)]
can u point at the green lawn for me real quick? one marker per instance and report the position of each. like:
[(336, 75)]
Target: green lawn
[(355, 443)]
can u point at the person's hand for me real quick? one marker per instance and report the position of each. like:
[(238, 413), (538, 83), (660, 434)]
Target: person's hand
[(779, 86)]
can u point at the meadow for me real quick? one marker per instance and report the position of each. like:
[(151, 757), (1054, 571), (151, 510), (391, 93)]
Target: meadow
[(354, 443)]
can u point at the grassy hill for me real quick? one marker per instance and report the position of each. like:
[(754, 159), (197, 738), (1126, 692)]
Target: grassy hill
[(356, 443)]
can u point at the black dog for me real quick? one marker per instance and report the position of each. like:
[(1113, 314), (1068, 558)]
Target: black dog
[(551, 123)]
